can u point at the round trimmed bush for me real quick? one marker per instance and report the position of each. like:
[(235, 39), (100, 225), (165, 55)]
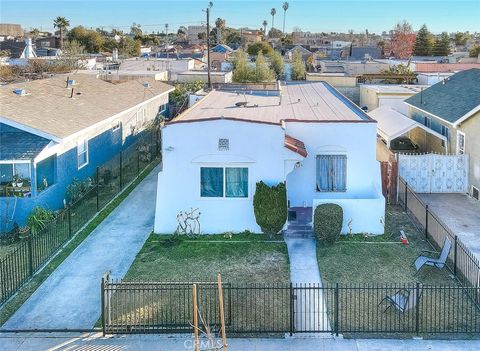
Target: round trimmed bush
[(327, 223), (270, 207)]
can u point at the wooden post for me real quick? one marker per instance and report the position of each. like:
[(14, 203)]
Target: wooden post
[(195, 319), (222, 312)]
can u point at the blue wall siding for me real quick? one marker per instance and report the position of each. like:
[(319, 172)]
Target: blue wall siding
[(100, 149)]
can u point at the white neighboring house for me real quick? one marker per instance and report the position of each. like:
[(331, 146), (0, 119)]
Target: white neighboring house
[(309, 136)]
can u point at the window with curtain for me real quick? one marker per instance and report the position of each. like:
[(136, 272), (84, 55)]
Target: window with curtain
[(231, 182), (211, 182), (236, 182), (331, 173)]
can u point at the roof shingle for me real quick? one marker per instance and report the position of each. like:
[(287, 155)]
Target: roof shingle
[(451, 99)]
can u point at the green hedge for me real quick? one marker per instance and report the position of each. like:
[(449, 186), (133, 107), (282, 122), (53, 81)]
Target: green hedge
[(327, 224), (270, 207)]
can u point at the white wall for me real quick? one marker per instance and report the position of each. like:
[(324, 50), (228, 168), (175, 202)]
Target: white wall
[(260, 147), (360, 215), (395, 102), (358, 142)]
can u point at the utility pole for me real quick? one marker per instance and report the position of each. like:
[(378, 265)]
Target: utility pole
[(210, 4)]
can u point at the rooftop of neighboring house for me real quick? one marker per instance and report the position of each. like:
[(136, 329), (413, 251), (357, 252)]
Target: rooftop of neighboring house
[(452, 99), (444, 67), (15, 47), (19, 145), (222, 48), (308, 102), (395, 88), (45, 106)]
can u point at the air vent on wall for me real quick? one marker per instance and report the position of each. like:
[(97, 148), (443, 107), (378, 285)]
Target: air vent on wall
[(475, 193), (223, 144)]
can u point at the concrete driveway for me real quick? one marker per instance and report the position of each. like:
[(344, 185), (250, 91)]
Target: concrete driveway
[(461, 214), (70, 297)]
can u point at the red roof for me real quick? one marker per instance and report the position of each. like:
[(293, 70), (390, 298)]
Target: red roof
[(295, 145), (424, 67)]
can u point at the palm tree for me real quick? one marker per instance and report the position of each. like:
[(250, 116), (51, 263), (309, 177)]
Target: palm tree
[(61, 23), (273, 12), (34, 33), (285, 8), (219, 24), (265, 23)]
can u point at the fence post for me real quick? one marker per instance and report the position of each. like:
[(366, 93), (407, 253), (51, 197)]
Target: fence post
[(105, 279), (455, 256), (292, 296), (98, 185), (426, 222), (406, 196), (69, 216), (121, 182), (336, 309), (417, 309), (30, 254)]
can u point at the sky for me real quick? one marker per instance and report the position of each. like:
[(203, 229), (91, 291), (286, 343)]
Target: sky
[(314, 16)]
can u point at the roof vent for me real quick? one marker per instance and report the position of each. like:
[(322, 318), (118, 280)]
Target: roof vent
[(70, 82), (146, 85), (241, 104), (20, 92)]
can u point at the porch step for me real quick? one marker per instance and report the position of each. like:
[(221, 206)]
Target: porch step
[(299, 226), (298, 234)]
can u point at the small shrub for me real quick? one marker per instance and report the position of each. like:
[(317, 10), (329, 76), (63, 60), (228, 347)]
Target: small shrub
[(39, 218), (270, 207), (77, 189), (328, 223)]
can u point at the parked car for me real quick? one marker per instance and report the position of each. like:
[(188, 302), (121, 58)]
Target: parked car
[(403, 144)]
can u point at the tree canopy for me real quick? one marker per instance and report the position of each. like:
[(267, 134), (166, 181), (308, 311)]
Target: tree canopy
[(264, 47), (298, 66), (424, 42), (442, 45)]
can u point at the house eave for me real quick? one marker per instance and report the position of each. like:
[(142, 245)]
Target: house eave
[(466, 116), (431, 114)]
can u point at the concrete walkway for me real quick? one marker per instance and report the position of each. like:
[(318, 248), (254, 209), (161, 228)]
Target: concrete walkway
[(77, 342), (309, 307), (461, 214), (70, 297)]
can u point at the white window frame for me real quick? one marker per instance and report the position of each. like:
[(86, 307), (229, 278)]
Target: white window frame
[(162, 108), (461, 151), (85, 142), (224, 183), (116, 126), (428, 122)]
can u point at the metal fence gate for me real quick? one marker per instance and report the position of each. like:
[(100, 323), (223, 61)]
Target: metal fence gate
[(433, 173)]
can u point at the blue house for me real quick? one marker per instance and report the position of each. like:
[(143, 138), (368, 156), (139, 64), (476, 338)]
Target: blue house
[(56, 129)]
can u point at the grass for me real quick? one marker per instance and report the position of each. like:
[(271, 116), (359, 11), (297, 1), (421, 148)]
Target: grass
[(383, 258), (9, 308), (244, 258), (375, 267)]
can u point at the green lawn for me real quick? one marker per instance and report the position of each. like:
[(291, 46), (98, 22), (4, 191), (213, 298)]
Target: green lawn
[(243, 258), (355, 259)]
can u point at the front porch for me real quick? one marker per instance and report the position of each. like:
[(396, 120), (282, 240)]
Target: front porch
[(299, 223)]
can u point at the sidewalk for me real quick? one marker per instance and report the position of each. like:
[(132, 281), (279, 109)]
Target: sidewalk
[(70, 297), (95, 341)]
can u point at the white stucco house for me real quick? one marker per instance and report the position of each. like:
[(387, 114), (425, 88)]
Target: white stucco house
[(306, 134)]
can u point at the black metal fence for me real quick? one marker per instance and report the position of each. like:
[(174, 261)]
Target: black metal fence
[(251, 309), (31, 253), (461, 261)]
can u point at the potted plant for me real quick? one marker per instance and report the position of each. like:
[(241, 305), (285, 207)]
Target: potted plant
[(17, 181)]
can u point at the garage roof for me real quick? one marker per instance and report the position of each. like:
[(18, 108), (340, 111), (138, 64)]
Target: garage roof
[(393, 124)]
